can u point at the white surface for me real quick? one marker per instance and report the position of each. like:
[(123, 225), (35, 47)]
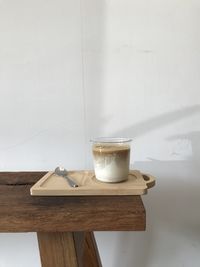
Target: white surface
[(72, 70)]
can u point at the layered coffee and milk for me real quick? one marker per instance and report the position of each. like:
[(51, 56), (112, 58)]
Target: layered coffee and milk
[(111, 162)]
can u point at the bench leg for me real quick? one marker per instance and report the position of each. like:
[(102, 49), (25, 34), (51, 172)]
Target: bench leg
[(57, 249), (86, 249), (68, 249)]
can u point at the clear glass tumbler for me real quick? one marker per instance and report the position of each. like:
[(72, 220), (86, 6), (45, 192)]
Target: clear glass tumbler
[(111, 157)]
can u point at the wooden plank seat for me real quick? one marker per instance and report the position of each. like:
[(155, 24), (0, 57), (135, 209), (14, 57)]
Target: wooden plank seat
[(65, 225)]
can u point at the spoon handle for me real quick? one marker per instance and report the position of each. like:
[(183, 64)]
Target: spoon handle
[(71, 183)]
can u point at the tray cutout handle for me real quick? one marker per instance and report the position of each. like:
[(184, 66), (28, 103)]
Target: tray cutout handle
[(149, 180)]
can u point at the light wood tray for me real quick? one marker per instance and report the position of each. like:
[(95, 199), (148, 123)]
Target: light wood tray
[(54, 185)]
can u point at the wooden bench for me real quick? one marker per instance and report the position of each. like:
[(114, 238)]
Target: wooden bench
[(65, 225)]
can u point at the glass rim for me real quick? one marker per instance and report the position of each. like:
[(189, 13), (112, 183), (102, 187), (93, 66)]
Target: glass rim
[(111, 140)]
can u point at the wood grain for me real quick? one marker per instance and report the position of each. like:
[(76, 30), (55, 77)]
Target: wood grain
[(20, 212), (71, 249), (54, 217), (57, 249), (54, 185), (21, 178), (86, 250)]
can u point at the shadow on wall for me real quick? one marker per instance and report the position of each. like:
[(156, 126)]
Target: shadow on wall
[(172, 213), (159, 121)]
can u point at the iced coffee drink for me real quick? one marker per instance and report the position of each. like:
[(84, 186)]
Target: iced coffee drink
[(111, 158)]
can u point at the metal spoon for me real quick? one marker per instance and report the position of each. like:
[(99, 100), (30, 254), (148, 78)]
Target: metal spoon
[(63, 172)]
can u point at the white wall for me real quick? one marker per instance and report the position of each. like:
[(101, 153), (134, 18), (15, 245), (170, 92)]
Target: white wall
[(71, 70)]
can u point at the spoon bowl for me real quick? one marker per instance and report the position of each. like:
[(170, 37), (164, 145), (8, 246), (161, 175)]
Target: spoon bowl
[(60, 171)]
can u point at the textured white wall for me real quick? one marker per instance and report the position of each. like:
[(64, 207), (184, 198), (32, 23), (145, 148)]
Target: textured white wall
[(71, 70)]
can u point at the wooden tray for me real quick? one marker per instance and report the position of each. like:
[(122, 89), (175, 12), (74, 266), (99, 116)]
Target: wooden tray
[(54, 185)]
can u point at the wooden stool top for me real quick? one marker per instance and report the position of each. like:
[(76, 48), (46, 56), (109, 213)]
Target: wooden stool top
[(21, 212)]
